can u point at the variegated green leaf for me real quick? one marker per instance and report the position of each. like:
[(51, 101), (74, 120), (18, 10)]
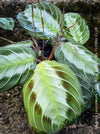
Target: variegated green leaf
[(16, 65), (83, 63), (27, 43), (52, 97), (52, 18), (7, 23), (79, 32)]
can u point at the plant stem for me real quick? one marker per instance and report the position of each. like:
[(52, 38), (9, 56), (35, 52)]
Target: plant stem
[(56, 43), (71, 26), (75, 48), (43, 37), (62, 24), (35, 42), (52, 53), (42, 28), (38, 60), (33, 19), (2, 38), (36, 47)]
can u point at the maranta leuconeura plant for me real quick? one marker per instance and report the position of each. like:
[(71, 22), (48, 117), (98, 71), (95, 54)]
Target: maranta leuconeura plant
[(55, 93)]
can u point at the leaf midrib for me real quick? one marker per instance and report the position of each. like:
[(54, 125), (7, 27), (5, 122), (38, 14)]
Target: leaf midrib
[(76, 35), (17, 63), (48, 26), (45, 23), (50, 92)]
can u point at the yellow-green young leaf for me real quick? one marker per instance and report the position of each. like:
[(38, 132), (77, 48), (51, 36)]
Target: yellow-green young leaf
[(52, 18), (79, 32), (7, 23), (16, 66), (52, 97), (84, 64)]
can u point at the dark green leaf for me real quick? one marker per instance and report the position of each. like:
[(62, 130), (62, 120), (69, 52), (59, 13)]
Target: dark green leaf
[(7, 23)]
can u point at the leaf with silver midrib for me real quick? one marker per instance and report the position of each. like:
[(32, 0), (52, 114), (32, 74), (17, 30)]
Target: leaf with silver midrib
[(16, 65), (52, 97), (79, 32), (52, 18), (84, 64)]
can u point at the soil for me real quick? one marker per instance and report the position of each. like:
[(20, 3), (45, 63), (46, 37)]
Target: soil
[(13, 117)]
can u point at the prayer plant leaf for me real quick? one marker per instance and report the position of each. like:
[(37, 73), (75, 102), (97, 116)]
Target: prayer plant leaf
[(52, 18), (79, 32), (16, 65), (27, 43), (84, 64), (7, 23), (52, 97)]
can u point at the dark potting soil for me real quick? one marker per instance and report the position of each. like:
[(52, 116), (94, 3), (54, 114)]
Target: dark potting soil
[(13, 117)]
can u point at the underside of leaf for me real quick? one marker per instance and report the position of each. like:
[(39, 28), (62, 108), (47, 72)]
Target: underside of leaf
[(52, 97)]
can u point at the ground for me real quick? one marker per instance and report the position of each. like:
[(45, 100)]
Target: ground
[(13, 118)]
